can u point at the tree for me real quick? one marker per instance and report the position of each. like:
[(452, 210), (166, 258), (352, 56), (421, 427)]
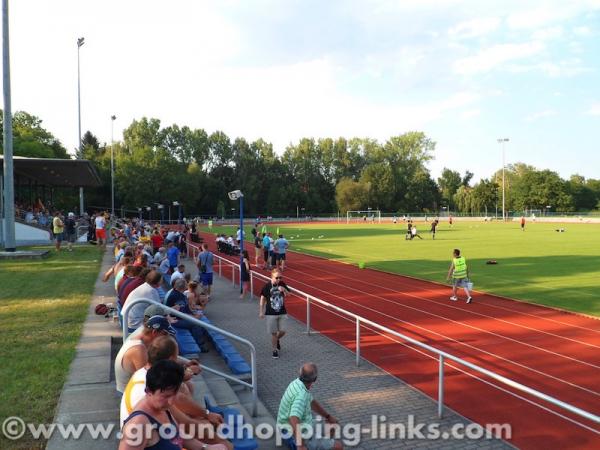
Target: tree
[(351, 195), (449, 182), (485, 195), (31, 139), (584, 197)]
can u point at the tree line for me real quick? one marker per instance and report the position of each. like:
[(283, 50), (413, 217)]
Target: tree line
[(156, 164)]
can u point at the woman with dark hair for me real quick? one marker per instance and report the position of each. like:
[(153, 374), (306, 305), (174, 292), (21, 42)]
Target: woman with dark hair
[(245, 267)]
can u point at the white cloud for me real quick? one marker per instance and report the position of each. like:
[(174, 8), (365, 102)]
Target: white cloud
[(475, 27), (489, 58), (541, 114), (539, 17), (554, 69), (582, 31), (546, 34), (470, 113), (594, 109)]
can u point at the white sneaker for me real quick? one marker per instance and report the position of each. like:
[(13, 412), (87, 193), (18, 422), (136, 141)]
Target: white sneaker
[(454, 298), (469, 299)]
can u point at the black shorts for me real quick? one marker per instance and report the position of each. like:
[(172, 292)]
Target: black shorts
[(266, 255), (280, 256)]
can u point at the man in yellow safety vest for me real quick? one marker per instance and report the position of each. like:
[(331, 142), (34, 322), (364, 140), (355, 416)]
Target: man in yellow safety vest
[(459, 272)]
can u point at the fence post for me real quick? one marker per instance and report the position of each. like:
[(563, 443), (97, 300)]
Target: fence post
[(220, 267), (357, 342), (233, 274), (251, 285), (307, 315), (441, 388)]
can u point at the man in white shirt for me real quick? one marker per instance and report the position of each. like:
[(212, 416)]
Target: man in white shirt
[(179, 273), (147, 290), (100, 223)]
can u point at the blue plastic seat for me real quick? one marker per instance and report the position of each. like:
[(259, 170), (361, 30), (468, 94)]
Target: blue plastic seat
[(186, 342)]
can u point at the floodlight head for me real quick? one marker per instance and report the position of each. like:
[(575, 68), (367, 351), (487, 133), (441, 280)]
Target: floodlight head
[(234, 195), (80, 41)]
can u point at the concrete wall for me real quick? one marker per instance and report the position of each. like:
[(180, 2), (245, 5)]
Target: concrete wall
[(28, 235)]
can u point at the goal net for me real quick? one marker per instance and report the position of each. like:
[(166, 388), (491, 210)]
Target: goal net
[(370, 216)]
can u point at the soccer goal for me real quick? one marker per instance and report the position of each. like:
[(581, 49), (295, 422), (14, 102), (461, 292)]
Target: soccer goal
[(370, 216)]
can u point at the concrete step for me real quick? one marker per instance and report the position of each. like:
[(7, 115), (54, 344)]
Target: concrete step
[(223, 394)]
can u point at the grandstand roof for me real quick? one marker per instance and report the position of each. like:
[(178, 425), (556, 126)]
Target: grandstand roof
[(56, 172)]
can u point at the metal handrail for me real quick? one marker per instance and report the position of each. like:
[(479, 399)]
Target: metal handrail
[(442, 356), (173, 312)]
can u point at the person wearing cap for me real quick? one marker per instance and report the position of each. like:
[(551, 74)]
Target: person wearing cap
[(70, 230), (133, 355), (296, 408)]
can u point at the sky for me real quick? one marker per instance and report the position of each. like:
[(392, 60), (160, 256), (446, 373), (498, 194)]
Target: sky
[(464, 72)]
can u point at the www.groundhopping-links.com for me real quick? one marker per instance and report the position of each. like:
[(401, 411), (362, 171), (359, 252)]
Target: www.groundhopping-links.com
[(351, 434)]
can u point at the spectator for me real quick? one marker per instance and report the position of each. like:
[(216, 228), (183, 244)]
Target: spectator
[(133, 355), (179, 273), (172, 255), (257, 247), (245, 274), (295, 410), (205, 267), (266, 244), (119, 269), (165, 348), (70, 230), (155, 412), (132, 283), (160, 255), (147, 290), (177, 300), (100, 223), (58, 230), (272, 305), (196, 301), (157, 240), (281, 244), (272, 251)]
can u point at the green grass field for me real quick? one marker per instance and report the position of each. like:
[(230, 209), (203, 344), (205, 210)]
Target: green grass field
[(538, 265), (43, 304)]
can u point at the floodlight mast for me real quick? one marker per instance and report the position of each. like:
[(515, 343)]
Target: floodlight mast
[(235, 195)]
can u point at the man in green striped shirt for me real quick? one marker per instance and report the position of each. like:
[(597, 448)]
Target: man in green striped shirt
[(295, 410)]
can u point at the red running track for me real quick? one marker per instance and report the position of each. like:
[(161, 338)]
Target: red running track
[(552, 351)]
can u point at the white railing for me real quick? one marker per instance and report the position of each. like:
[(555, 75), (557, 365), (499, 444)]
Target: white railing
[(442, 356), (253, 385)]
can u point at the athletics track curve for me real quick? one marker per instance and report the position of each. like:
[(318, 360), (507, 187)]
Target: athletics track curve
[(552, 351)]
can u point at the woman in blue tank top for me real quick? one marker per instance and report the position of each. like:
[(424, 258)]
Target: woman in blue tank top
[(152, 412)]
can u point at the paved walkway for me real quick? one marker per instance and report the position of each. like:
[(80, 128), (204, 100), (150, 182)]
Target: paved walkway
[(352, 394), (89, 394)]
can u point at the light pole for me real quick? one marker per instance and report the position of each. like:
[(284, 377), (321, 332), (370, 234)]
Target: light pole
[(503, 141), (112, 165), (140, 212), (161, 208), (7, 211), (80, 42), (176, 203), (235, 195)]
